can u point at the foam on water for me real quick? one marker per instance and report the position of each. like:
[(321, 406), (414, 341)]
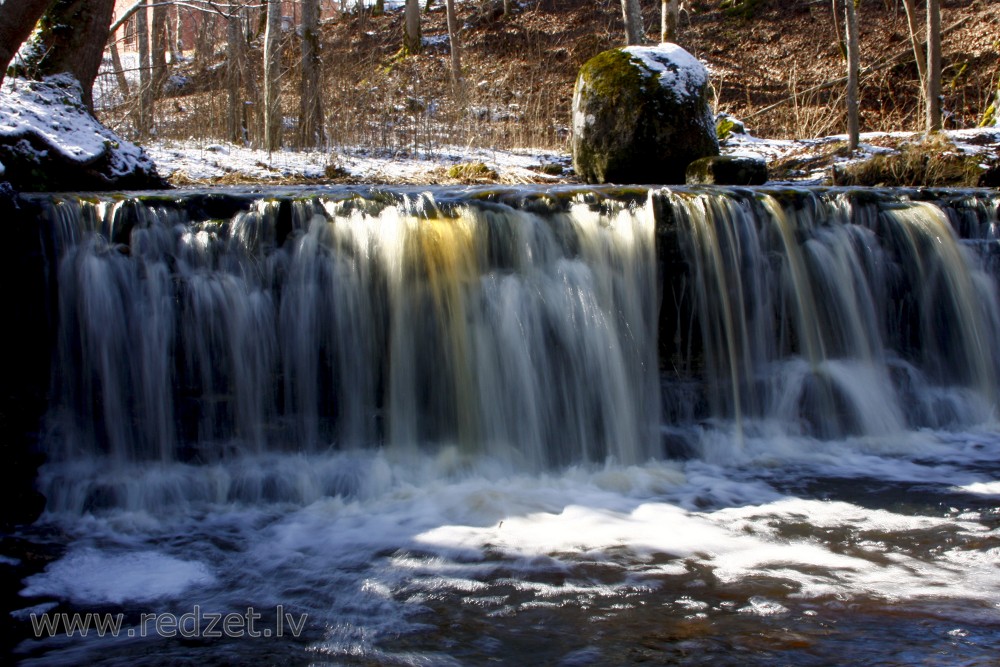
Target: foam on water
[(90, 575), (375, 563)]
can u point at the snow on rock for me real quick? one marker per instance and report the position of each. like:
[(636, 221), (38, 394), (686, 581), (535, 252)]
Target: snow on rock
[(50, 141), (675, 68)]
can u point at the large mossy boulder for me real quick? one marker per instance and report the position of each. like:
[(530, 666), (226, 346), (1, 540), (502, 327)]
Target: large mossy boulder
[(49, 141), (641, 115)]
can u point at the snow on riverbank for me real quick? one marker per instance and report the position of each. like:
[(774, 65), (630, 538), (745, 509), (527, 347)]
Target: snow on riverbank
[(205, 163), (192, 162)]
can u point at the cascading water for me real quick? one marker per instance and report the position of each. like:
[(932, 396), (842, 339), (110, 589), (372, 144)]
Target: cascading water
[(829, 317), (526, 338), (457, 427)]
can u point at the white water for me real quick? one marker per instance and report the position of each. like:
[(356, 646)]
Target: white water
[(490, 481), (680, 541)]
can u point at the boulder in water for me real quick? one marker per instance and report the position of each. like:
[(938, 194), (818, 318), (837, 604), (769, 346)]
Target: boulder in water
[(727, 170), (641, 115), (49, 141)]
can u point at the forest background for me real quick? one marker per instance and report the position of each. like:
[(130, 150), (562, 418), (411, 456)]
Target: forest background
[(350, 76)]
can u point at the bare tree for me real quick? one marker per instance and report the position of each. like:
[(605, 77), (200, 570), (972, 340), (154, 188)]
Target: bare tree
[(669, 18), (411, 28), (116, 65), (72, 39), (632, 14), (178, 42), (272, 76), (235, 64), (453, 43), (17, 20), (204, 41), (918, 50), (310, 101), (933, 65), (158, 48), (853, 70), (145, 120)]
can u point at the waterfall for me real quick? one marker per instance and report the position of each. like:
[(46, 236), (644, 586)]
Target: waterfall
[(219, 347), (833, 313), (524, 337)]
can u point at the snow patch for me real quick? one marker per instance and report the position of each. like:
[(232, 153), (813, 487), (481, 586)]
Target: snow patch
[(211, 161), (675, 68)]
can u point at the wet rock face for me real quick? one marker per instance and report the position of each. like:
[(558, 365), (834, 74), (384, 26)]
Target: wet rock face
[(641, 115), (50, 142)]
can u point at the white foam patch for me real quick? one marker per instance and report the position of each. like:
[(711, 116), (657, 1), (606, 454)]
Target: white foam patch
[(87, 575), (982, 488), (26, 613), (868, 553)]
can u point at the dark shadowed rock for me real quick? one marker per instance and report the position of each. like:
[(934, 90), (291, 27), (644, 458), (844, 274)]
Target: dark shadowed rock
[(641, 115), (727, 170), (49, 141)]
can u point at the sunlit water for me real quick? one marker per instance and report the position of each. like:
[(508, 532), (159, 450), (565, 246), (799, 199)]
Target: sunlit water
[(810, 477)]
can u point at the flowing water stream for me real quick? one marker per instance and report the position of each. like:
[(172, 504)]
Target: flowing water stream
[(566, 426)]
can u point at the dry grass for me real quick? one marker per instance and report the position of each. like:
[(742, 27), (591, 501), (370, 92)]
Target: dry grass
[(933, 162)]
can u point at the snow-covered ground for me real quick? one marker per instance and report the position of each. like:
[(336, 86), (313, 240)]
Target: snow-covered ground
[(200, 162), (191, 161)]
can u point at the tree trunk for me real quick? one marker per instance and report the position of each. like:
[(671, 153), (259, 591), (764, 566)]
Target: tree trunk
[(145, 123), (453, 42), (632, 14), (310, 100), (204, 43), (178, 43), (918, 51), (507, 9), (669, 18), (411, 28), (158, 49), (116, 64), (835, 5), (72, 39), (853, 68), (17, 20), (933, 65), (235, 62), (272, 76)]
